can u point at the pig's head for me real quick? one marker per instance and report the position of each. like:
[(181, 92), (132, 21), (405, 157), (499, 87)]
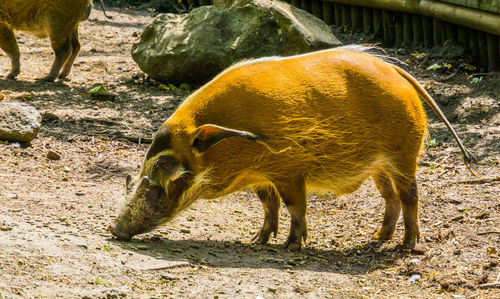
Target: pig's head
[(171, 179)]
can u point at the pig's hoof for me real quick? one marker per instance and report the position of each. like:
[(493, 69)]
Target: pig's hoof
[(11, 76), (408, 245), (411, 237), (46, 79), (261, 237), (382, 235), (293, 245)]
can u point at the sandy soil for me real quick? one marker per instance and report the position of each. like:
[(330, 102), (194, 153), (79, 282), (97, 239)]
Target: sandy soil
[(53, 213)]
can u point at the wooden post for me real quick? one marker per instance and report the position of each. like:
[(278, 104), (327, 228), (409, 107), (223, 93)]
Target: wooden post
[(338, 14), (473, 42), (462, 36), (483, 51), (317, 8), (328, 13), (356, 18), (436, 31), (451, 32), (427, 30), (492, 48), (388, 27), (367, 20), (416, 22), (346, 17), (407, 30), (377, 23), (398, 30)]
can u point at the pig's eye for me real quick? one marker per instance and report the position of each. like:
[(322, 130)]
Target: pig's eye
[(165, 162), (196, 142)]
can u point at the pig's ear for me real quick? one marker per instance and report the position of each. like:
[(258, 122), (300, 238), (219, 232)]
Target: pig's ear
[(169, 167), (208, 135)]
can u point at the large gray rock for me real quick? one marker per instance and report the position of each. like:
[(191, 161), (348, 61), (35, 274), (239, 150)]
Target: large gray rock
[(192, 48), (19, 122)]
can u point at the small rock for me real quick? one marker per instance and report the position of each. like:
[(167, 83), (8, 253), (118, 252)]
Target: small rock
[(185, 231), (481, 215), (142, 247), (168, 276), (414, 278), (19, 122), (52, 155), (415, 261), (5, 228)]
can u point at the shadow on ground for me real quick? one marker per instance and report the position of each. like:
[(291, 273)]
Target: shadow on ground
[(362, 259)]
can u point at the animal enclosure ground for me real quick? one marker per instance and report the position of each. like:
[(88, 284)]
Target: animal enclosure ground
[(53, 213)]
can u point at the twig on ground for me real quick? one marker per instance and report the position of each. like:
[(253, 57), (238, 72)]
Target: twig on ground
[(118, 134), (137, 139), (488, 232), (480, 181), (479, 74), (491, 285)]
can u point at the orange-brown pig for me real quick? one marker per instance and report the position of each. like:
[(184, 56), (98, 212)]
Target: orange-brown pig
[(323, 121), (56, 19)]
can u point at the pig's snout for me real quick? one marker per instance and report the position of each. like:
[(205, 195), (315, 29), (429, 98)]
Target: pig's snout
[(116, 232)]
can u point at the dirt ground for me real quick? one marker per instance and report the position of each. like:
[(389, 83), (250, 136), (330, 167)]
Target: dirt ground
[(53, 213)]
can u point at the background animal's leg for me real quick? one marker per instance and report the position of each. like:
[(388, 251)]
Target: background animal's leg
[(409, 201), (271, 203), (8, 43), (294, 196), (392, 207), (62, 50), (75, 49)]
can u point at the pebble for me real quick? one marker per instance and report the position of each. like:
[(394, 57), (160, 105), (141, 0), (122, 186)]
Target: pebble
[(168, 276), (142, 247), (52, 155), (414, 261), (414, 278)]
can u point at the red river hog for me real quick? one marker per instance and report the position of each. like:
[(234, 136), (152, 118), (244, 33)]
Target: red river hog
[(56, 19), (284, 126)]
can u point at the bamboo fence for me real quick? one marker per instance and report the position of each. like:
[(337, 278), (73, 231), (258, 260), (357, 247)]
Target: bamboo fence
[(473, 24)]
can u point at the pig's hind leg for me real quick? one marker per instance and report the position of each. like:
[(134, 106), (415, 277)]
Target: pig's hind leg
[(392, 207), (75, 49), (294, 195), (271, 204), (60, 31), (409, 201)]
